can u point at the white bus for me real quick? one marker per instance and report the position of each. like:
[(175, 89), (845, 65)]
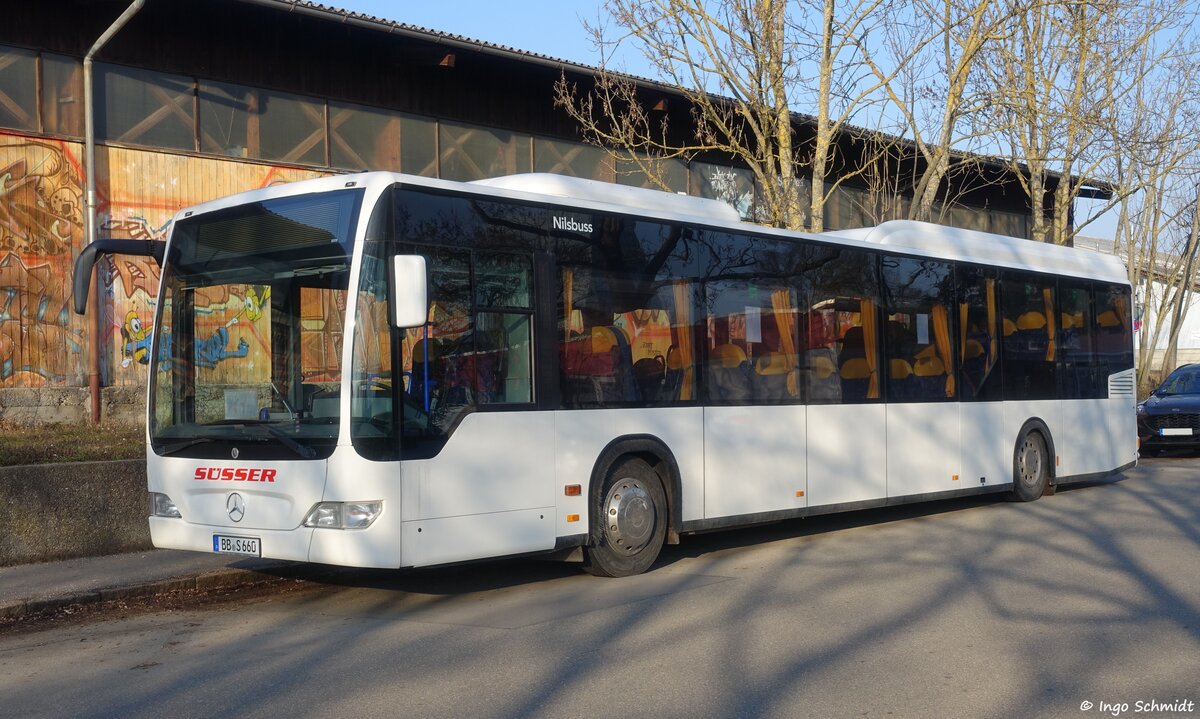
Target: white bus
[(379, 370)]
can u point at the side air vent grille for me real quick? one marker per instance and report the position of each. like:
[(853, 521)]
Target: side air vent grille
[(1121, 385)]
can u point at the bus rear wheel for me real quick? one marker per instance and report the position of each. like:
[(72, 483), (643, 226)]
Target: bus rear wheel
[(629, 524), (1031, 468)]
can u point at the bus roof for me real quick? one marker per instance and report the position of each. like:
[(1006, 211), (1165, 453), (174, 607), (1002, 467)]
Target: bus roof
[(986, 248), (900, 236), (621, 197), (903, 236)]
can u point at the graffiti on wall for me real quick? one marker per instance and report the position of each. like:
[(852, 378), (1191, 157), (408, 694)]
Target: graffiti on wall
[(42, 231), (41, 214)]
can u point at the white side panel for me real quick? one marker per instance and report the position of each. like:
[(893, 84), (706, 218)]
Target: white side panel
[(494, 462), (986, 449), (491, 490), (580, 437), (457, 539), (1120, 418), (1121, 431), (847, 455), (753, 459), (1100, 435), (1085, 445), (923, 448)]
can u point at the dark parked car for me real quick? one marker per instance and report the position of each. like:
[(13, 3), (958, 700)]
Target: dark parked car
[(1170, 418)]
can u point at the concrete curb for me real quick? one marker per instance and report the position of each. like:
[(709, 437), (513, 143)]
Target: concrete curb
[(208, 581)]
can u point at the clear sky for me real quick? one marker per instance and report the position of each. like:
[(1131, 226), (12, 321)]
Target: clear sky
[(547, 27)]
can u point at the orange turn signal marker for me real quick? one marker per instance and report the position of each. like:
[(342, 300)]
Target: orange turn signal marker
[(954, 478), (573, 490), (1057, 461), (572, 517), (799, 492)]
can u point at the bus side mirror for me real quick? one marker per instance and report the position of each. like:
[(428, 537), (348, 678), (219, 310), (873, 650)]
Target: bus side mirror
[(108, 246), (410, 291)]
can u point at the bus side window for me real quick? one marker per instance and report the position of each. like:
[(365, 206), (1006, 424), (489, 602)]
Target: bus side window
[(626, 329), (977, 316), (1031, 348), (841, 342), (919, 338)]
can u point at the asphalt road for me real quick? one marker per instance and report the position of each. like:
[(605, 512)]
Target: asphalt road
[(980, 608)]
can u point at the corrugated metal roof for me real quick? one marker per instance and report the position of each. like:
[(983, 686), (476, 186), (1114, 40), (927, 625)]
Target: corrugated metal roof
[(395, 27), (1099, 189)]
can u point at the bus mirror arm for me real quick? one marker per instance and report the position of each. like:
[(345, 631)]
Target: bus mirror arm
[(91, 255), (410, 291)]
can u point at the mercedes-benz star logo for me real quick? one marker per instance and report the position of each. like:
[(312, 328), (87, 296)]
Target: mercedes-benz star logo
[(236, 506), (234, 453)]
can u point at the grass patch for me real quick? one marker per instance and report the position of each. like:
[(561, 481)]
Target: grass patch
[(69, 443)]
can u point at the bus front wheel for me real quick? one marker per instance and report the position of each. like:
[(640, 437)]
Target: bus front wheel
[(629, 524), (1031, 466)]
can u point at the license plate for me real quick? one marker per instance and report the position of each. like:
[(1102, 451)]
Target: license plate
[(248, 546), (1175, 431)]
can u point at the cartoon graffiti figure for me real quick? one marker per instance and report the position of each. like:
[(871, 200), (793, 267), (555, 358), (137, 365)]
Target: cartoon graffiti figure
[(136, 346), (212, 350), (254, 303), (208, 352)]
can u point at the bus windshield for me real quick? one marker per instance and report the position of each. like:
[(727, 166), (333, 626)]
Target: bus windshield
[(249, 329)]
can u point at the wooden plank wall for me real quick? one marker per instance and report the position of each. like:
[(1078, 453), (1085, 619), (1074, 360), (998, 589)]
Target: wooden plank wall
[(43, 343)]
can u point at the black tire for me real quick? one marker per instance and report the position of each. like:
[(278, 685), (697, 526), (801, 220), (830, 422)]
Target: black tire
[(629, 521), (1031, 466)]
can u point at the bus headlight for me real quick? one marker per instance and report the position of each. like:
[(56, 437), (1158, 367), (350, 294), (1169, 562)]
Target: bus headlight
[(162, 506), (343, 515)]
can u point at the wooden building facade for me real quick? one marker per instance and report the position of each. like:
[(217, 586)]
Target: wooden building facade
[(195, 99)]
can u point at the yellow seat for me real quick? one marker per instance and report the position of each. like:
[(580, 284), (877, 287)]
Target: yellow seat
[(772, 363), (899, 369), (1031, 321), (929, 366), (727, 356), (856, 368), (822, 367), (603, 339), (674, 359)]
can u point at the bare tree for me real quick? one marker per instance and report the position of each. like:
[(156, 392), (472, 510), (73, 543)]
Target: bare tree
[(1156, 173), (1058, 82), (931, 55), (843, 85), (741, 65), (1185, 287)]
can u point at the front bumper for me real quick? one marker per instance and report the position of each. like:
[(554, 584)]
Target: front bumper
[(1151, 434), (376, 546)]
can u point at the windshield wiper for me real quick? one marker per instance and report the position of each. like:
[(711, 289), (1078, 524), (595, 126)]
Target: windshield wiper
[(180, 446), (301, 449)]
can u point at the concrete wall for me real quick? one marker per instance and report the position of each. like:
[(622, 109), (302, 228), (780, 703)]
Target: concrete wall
[(31, 407), (81, 509)]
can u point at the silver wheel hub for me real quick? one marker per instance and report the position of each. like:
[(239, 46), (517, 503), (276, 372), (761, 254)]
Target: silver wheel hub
[(1029, 461), (629, 516)]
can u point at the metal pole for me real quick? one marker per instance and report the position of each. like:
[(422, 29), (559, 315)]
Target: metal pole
[(95, 319)]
